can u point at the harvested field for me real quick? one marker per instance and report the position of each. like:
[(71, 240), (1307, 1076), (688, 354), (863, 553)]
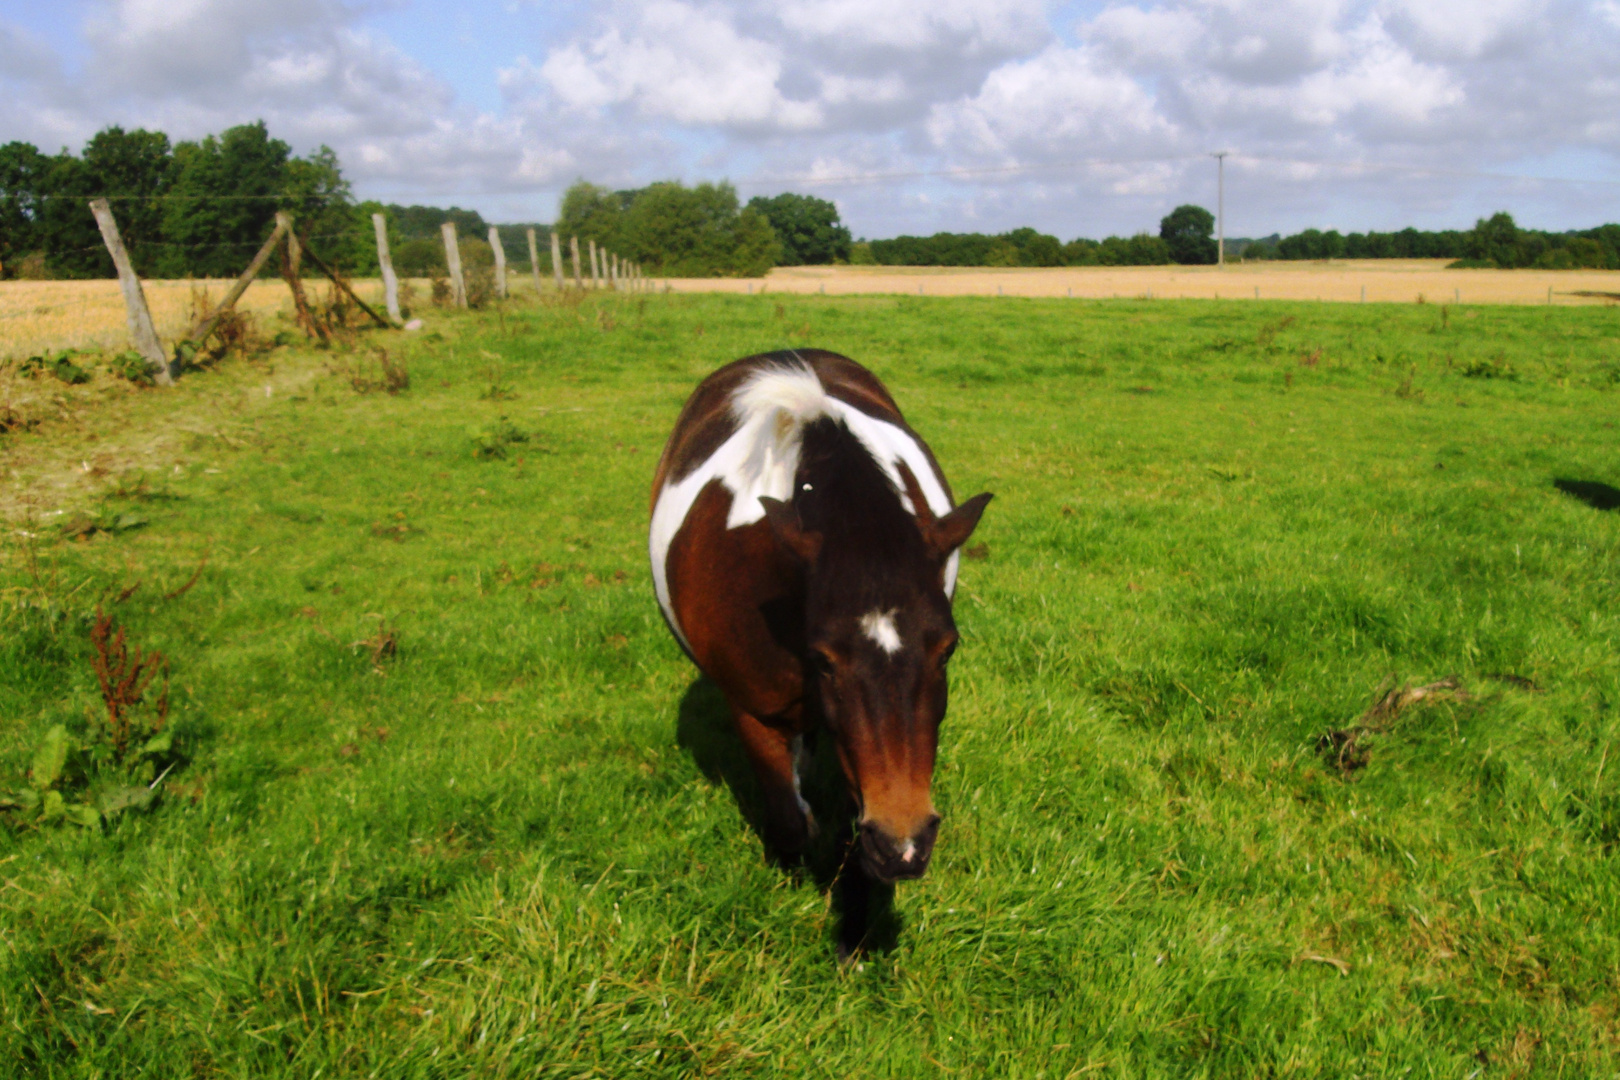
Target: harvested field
[(1401, 281), (40, 315)]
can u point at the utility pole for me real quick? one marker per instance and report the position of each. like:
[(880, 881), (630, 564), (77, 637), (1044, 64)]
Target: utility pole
[(1220, 206)]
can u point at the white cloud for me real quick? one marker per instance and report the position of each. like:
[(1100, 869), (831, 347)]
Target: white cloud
[(684, 64), (1464, 29), (1061, 102), (965, 27), (828, 89)]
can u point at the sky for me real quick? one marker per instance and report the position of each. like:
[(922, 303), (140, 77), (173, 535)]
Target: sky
[(1080, 119)]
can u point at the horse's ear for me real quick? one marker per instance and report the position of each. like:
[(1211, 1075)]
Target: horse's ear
[(785, 524), (950, 532)]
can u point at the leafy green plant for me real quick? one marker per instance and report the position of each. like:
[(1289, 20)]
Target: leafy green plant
[(59, 366), (1490, 367), (115, 766), (131, 366), (493, 441)]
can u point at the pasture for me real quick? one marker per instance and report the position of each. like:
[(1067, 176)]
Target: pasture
[(446, 799)]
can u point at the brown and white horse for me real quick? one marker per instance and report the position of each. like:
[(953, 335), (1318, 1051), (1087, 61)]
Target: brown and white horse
[(804, 551)]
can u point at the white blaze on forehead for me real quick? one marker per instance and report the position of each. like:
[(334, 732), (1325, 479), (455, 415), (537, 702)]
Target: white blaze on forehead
[(879, 626)]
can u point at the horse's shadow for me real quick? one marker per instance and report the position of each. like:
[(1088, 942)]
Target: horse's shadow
[(1594, 493), (867, 920)]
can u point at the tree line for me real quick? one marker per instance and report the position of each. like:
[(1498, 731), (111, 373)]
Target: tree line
[(1493, 242), (201, 208), (188, 209), (1186, 236)]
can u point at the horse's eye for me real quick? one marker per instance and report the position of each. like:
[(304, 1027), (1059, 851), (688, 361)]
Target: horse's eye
[(820, 661)]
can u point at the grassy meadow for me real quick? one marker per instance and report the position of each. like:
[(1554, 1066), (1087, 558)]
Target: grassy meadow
[(444, 799)]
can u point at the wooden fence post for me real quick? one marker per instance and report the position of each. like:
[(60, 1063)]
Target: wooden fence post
[(573, 244), (452, 258), (556, 259), (386, 262), (596, 265), (290, 260), (142, 334), (534, 262), (205, 326), (500, 261)]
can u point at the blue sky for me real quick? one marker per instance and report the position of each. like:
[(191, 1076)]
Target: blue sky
[(1080, 119)]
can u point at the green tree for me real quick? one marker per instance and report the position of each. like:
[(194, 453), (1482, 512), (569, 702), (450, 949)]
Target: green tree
[(324, 212), (1080, 252), (226, 191), (594, 213), (22, 177), (66, 229), (422, 222), (133, 170), (808, 228), (1002, 253), (1189, 231), (1035, 248), (1495, 239), (679, 231)]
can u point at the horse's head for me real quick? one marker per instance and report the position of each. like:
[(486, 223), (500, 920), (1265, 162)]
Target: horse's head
[(879, 635)]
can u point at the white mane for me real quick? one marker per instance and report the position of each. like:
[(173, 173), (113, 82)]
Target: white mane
[(772, 407)]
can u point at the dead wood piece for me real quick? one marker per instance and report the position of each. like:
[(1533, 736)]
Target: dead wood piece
[(1390, 705), (290, 253), (205, 326), (1516, 680), (195, 574), (344, 285), (1344, 747)]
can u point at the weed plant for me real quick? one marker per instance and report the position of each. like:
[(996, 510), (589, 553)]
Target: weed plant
[(1282, 738)]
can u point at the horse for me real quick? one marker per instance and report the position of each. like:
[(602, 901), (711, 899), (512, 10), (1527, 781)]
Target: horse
[(804, 547)]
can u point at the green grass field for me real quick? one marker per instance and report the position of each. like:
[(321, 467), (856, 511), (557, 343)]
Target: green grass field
[(508, 847)]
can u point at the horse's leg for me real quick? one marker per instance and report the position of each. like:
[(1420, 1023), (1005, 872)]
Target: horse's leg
[(789, 825)]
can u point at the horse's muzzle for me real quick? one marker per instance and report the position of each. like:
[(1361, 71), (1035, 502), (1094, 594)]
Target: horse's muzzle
[(888, 858)]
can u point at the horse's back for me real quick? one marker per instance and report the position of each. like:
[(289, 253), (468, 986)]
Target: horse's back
[(731, 597)]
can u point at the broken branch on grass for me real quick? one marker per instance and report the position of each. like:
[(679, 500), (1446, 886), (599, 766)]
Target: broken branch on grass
[(1334, 962), (290, 274), (344, 285), (195, 574), (1344, 746), (205, 326)]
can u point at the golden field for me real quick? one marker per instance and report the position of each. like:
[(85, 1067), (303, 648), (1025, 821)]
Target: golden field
[(1401, 281), (36, 316)]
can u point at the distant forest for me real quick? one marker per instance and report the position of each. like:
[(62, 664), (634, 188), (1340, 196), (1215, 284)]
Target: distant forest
[(201, 208), (1496, 241)]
